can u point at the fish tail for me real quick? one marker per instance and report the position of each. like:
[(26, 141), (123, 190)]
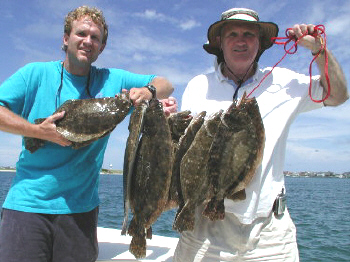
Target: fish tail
[(184, 220), (138, 245), (215, 209), (33, 144)]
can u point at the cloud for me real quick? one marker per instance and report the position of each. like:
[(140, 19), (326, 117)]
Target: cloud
[(153, 15), (189, 24), (185, 25)]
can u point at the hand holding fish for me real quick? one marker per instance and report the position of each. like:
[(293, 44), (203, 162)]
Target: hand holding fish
[(139, 94), (49, 130)]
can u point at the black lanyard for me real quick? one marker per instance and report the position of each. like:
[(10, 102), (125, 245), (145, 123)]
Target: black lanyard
[(240, 82), (58, 94)]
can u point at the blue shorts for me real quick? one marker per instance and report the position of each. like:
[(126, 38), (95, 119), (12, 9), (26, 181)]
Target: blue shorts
[(35, 237)]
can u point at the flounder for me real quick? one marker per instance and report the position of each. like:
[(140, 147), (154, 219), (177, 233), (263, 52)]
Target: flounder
[(235, 153), (151, 176), (178, 122), (135, 129), (193, 176), (86, 120), (252, 109), (180, 148)]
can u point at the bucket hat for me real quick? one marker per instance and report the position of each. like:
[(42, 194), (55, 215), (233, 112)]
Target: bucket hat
[(267, 30)]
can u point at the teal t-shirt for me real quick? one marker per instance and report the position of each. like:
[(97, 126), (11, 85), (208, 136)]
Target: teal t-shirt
[(55, 179)]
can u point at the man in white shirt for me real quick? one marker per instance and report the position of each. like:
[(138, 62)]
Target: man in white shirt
[(251, 231)]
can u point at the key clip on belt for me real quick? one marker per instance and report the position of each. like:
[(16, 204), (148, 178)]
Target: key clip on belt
[(280, 204)]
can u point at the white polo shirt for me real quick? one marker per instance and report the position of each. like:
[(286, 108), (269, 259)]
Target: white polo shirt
[(281, 97)]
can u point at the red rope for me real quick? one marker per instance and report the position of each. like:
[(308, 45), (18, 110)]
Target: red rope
[(319, 31)]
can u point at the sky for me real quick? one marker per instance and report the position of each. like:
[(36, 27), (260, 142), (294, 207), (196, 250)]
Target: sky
[(165, 38)]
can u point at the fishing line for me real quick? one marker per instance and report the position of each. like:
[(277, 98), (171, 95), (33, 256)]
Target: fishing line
[(319, 32)]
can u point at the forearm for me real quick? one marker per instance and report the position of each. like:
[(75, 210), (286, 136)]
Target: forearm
[(338, 86), (13, 123), (163, 86)]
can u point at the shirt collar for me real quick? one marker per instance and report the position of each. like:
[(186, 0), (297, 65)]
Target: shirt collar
[(222, 78)]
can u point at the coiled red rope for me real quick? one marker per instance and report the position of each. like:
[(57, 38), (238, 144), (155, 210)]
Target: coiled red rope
[(319, 31)]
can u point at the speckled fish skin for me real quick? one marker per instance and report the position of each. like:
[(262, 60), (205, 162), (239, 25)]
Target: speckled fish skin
[(135, 129), (182, 146), (152, 176), (233, 157), (193, 175), (250, 106), (178, 122), (86, 120)]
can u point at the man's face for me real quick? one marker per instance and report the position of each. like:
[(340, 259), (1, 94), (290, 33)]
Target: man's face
[(240, 43), (84, 44)]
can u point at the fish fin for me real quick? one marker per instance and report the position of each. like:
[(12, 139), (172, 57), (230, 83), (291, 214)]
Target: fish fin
[(185, 219), (215, 209), (149, 233), (236, 196), (33, 144), (125, 222)]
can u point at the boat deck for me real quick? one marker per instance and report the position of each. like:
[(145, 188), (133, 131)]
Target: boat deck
[(115, 247)]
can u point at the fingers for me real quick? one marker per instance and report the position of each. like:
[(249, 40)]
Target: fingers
[(305, 33), (139, 94), (56, 116), (50, 132), (300, 30), (169, 105)]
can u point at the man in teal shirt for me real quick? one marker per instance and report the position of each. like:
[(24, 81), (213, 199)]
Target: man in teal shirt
[(50, 213)]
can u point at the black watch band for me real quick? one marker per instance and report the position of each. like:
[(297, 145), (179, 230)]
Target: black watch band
[(153, 90)]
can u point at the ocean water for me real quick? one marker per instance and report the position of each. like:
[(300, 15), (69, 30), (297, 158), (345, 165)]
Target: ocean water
[(320, 209)]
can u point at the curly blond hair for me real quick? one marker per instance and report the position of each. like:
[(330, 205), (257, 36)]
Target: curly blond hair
[(94, 13)]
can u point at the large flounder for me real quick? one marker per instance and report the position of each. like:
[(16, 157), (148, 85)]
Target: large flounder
[(250, 105), (235, 153), (181, 147), (135, 129), (86, 120), (193, 176), (151, 177)]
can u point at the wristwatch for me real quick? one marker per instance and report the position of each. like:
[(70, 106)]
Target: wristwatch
[(153, 90)]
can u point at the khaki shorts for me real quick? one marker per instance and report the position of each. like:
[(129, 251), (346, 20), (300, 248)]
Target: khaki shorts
[(266, 239)]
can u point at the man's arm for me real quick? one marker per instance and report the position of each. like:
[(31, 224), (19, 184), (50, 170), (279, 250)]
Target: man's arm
[(163, 90), (13, 123), (339, 91)]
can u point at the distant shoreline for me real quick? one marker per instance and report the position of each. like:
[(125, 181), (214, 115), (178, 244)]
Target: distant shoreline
[(7, 170), (103, 171), (286, 173)]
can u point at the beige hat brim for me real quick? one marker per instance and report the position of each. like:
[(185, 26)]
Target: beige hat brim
[(267, 31)]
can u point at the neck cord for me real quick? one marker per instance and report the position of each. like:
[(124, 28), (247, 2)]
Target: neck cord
[(58, 94), (240, 80)]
